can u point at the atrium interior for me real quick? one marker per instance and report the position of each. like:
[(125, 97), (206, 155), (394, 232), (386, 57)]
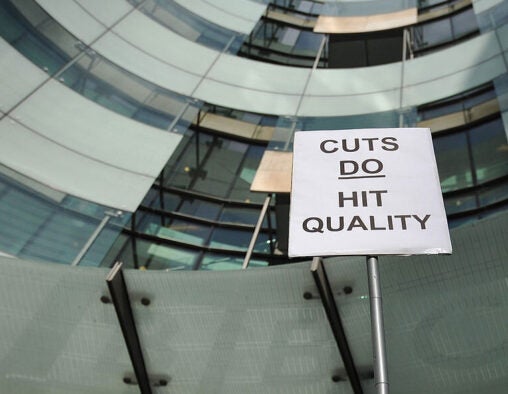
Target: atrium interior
[(159, 134)]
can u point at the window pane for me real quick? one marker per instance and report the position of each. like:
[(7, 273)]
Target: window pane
[(220, 167), (308, 43), (225, 238), (490, 150), (200, 208), (432, 33), (464, 23), (453, 161), (240, 215), (241, 188), (184, 166)]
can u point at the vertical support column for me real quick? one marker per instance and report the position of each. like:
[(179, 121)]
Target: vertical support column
[(256, 231), (405, 35), (378, 334), (332, 313), (120, 298)]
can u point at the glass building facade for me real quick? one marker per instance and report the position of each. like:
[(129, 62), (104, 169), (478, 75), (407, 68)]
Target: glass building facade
[(134, 132)]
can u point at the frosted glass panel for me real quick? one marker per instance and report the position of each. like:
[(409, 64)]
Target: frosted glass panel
[(237, 331), (106, 12), (18, 76), (468, 65), (238, 15), (68, 170), (57, 336), (52, 112), (74, 18), (165, 45), (145, 66)]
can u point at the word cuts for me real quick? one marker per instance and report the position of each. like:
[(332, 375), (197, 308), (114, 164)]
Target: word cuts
[(366, 192)]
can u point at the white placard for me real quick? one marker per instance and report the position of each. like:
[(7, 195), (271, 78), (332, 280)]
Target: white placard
[(366, 192)]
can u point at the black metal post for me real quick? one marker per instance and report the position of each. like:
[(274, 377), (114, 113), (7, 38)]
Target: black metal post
[(325, 291), (120, 298)]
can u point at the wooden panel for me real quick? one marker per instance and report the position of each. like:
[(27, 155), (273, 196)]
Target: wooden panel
[(228, 125), (457, 119), (274, 173), (444, 122), (484, 109), (291, 19), (363, 24), (236, 127)]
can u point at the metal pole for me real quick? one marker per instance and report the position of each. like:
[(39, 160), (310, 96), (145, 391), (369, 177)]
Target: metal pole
[(120, 297), (378, 334), (332, 313), (256, 231)]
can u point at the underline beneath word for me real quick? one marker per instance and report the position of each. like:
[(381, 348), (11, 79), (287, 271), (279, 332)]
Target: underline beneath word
[(361, 176)]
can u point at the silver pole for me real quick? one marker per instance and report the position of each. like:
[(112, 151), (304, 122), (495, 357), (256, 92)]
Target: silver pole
[(378, 334), (256, 231)]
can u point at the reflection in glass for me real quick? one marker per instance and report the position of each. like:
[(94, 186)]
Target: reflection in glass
[(175, 229), (220, 262), (137, 253)]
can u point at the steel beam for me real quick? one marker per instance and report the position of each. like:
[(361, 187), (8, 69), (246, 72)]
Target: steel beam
[(325, 291), (120, 298), (257, 229)]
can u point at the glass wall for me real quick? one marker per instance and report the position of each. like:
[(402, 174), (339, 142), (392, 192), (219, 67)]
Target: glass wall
[(292, 44), (200, 213), (42, 40), (39, 223), (472, 158), (183, 22), (436, 33)]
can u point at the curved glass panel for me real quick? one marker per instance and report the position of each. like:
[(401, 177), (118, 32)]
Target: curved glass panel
[(39, 223), (368, 7), (216, 166), (472, 157), (31, 31), (189, 25), (435, 33), (42, 40), (276, 42)]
